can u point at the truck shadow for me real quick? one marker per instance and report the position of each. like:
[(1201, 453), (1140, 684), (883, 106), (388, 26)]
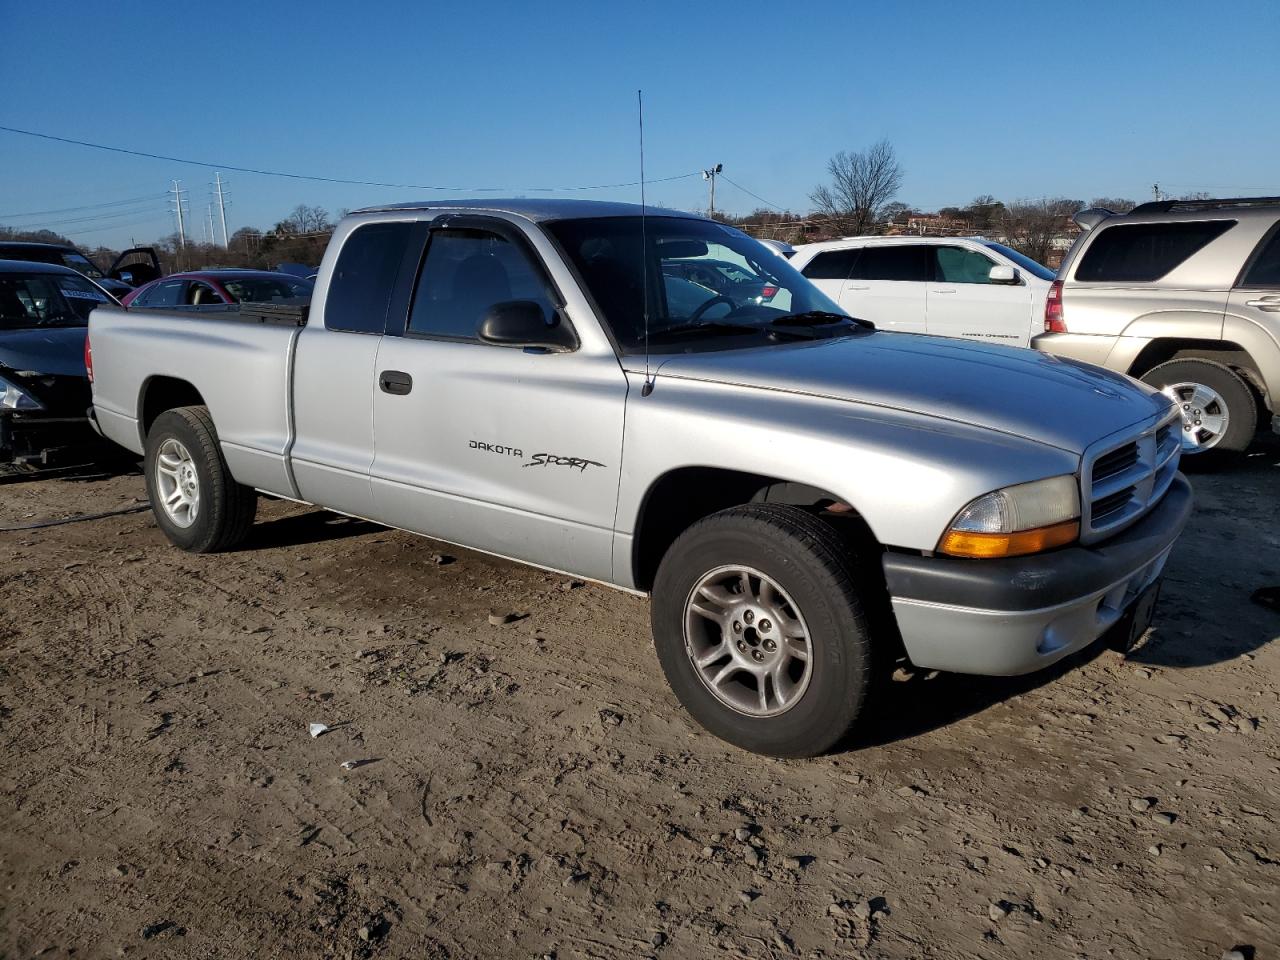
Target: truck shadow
[(317, 526)]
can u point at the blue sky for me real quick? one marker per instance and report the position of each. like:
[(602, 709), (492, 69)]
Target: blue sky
[(1018, 100)]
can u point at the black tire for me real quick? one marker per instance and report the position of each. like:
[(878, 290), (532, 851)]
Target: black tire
[(226, 508), (805, 557), (1234, 394)]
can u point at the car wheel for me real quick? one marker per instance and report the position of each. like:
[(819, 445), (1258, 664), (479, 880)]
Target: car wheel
[(1219, 413), (196, 502), (760, 630)]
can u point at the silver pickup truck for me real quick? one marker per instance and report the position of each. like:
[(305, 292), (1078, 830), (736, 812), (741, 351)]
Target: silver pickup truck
[(803, 497)]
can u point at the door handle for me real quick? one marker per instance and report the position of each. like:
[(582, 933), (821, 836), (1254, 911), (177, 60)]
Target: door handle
[(1271, 304), (856, 287), (395, 382), (948, 290)]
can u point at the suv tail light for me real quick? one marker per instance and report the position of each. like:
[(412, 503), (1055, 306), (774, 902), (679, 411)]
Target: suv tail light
[(768, 291), (1054, 322), (88, 357)]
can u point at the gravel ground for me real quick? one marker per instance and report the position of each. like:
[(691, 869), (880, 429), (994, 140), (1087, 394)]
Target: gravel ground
[(530, 788)]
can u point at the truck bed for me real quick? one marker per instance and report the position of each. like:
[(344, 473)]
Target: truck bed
[(239, 359)]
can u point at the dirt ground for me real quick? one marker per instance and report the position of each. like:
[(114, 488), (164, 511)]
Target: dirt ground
[(532, 789)]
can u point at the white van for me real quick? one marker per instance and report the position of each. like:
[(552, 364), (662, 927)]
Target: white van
[(964, 287)]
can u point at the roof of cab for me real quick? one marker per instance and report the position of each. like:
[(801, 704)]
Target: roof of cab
[(538, 210), (35, 266)]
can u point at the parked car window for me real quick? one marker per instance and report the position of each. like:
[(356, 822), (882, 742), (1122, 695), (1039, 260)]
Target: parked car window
[(465, 273), (1142, 252), (36, 300), (958, 265), (364, 278), (82, 294), (266, 289), (830, 265), (1033, 267), (896, 262), (165, 294), (1264, 271), (201, 294), (78, 261)]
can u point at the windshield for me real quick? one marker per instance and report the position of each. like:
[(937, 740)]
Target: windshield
[(698, 272), (78, 261), (46, 300), (1026, 263), (266, 289)]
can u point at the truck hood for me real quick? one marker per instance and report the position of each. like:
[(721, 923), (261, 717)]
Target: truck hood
[(1026, 393)]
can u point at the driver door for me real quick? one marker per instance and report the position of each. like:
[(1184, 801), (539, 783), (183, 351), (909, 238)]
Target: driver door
[(514, 451)]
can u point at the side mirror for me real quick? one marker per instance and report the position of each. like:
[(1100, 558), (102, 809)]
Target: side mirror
[(1003, 273), (520, 323)]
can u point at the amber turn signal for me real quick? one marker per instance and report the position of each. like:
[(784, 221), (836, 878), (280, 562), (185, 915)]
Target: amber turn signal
[(960, 543)]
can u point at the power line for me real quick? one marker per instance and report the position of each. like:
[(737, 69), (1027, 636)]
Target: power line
[(87, 206), (342, 180), (756, 195), (128, 212)]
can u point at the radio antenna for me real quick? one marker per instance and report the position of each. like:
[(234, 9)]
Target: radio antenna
[(644, 251)]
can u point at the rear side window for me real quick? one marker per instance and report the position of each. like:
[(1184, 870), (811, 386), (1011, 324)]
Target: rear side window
[(832, 265), (907, 262), (957, 265), (364, 278), (1141, 252), (1264, 271)]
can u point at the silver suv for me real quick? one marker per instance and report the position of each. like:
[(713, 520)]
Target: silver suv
[(1184, 295)]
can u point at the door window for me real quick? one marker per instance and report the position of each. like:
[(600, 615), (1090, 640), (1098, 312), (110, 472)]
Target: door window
[(831, 265), (1142, 252), (1264, 271), (958, 265), (364, 278), (201, 294), (909, 262), (465, 273), (166, 294)]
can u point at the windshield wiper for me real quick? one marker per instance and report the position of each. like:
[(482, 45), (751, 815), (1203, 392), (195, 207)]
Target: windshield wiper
[(817, 318), (724, 327)]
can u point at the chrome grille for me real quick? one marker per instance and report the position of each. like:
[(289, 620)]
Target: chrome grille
[(1125, 476)]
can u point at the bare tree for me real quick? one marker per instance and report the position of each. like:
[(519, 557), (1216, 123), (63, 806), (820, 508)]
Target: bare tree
[(1114, 204), (1032, 226), (307, 219), (862, 183)]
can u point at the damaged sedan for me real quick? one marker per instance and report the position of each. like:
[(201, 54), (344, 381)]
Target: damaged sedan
[(44, 382)]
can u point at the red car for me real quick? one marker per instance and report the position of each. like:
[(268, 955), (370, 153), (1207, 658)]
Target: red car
[(203, 287)]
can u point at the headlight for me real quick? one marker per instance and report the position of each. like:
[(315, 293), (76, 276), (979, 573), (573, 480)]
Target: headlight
[(1018, 520), (13, 397)]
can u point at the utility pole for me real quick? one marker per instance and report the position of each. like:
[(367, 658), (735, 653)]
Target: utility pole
[(208, 209), (182, 230), (222, 207), (710, 175), (1155, 192)]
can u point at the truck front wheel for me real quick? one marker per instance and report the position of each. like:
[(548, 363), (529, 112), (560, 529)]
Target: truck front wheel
[(760, 631), (196, 501)]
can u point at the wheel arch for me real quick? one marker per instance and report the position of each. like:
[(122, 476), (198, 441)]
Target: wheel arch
[(1230, 354), (160, 393), (683, 495)]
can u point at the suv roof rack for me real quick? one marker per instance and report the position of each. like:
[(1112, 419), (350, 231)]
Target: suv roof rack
[(1167, 206)]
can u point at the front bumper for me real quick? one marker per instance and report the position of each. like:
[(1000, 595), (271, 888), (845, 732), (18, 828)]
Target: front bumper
[(39, 438), (1007, 617)]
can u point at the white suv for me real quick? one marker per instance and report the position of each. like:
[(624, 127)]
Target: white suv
[(963, 287)]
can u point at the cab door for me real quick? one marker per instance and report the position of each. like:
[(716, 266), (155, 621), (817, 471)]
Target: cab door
[(1253, 307), (515, 451), (964, 302), (333, 366)]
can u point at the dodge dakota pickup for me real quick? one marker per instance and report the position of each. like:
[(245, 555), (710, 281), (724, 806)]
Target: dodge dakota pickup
[(803, 497)]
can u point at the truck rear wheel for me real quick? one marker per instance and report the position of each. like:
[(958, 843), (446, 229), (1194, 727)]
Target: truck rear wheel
[(196, 502), (1219, 413), (760, 630)]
